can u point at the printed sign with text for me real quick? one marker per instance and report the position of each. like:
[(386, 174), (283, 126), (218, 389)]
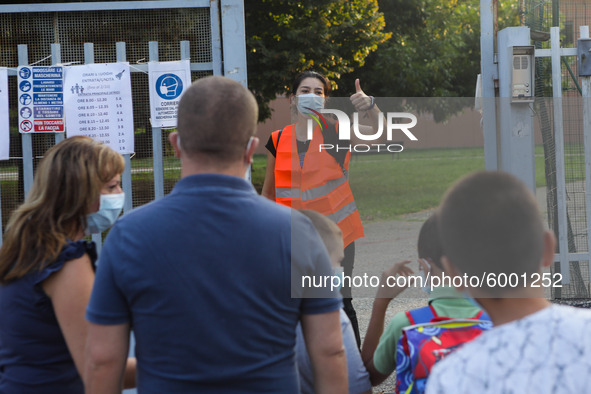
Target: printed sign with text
[(168, 81), (98, 104), (41, 99), (4, 124)]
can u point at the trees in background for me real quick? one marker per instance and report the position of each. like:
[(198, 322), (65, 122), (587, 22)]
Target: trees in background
[(398, 48), (285, 37)]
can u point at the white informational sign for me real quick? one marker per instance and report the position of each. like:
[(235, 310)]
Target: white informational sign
[(168, 81), (4, 124), (40, 99), (98, 104)]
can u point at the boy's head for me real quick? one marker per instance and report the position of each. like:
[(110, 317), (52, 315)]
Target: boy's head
[(489, 222), (330, 233), (429, 244)]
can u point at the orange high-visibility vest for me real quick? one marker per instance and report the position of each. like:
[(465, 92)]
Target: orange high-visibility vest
[(321, 185)]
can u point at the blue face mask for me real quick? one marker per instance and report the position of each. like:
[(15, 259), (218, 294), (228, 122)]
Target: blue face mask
[(310, 100), (109, 209)]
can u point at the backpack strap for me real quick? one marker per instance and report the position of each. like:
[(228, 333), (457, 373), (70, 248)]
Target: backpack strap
[(421, 315), (427, 314), (482, 315), (276, 140), (417, 316), (330, 136)]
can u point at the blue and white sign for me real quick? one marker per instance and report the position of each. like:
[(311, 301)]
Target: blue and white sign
[(168, 81), (41, 99), (169, 86), (4, 124), (98, 104)]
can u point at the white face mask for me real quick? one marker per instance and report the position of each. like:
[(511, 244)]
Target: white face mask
[(109, 209), (310, 100)]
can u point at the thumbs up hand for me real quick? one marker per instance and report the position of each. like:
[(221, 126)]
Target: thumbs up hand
[(360, 100)]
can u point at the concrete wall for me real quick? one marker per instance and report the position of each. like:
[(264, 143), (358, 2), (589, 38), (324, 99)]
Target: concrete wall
[(462, 130)]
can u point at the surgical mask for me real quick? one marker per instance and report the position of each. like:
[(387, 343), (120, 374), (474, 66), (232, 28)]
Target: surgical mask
[(310, 100), (426, 285), (109, 209)]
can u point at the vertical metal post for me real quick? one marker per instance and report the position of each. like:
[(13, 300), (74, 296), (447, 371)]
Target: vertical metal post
[(234, 39), (234, 50), (56, 58), (516, 118), (216, 37), (157, 141), (126, 178), (559, 144), (89, 59), (1, 234), (26, 138), (88, 53), (185, 50), (489, 72), (121, 54), (586, 93)]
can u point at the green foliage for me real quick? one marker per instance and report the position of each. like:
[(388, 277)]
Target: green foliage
[(434, 50), (284, 38)]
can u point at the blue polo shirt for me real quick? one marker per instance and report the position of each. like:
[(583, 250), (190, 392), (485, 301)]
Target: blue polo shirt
[(203, 276)]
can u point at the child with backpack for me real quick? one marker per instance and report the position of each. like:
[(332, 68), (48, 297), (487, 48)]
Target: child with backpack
[(490, 226), (398, 346)]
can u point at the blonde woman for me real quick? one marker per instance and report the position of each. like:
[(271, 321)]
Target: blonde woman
[(47, 269)]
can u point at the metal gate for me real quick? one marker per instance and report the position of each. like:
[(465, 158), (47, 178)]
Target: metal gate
[(571, 195), (561, 112), (104, 32)]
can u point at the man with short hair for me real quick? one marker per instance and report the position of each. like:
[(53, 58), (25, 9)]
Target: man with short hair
[(203, 275), (490, 227)]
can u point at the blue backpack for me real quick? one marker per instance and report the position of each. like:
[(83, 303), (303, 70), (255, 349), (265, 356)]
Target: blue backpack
[(427, 340)]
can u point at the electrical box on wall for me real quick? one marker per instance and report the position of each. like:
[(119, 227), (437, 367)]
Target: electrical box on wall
[(522, 82), (584, 54)]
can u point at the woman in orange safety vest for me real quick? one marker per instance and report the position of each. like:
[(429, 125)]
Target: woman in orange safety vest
[(306, 174)]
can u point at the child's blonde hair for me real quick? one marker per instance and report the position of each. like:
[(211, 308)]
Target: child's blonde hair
[(327, 229)]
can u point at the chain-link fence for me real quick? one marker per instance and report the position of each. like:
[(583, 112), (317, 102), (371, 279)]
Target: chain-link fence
[(569, 15), (71, 29)]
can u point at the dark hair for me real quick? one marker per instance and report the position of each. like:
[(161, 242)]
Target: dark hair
[(489, 221), (429, 244), (311, 74)]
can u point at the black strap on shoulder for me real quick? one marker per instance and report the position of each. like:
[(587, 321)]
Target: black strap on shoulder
[(278, 137), (330, 136)]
